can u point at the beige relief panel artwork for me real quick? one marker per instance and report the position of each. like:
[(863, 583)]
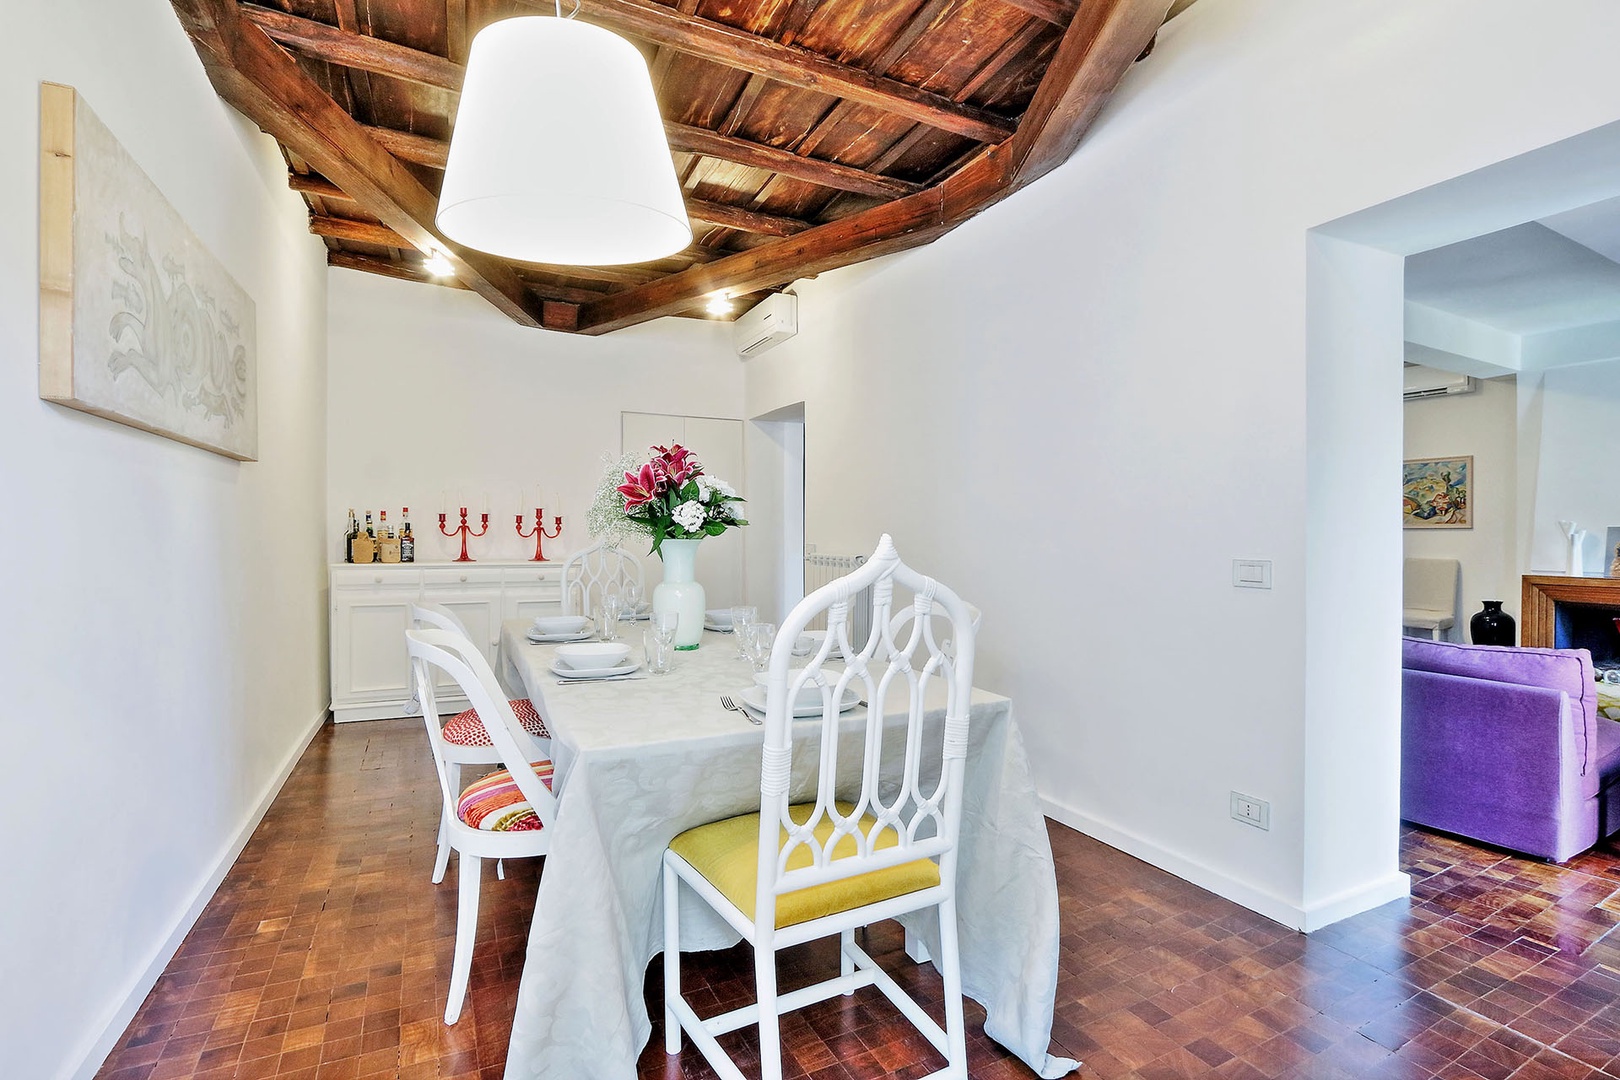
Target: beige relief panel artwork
[(139, 322)]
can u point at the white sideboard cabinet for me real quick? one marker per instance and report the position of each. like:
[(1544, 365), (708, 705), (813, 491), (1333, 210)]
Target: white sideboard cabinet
[(371, 608)]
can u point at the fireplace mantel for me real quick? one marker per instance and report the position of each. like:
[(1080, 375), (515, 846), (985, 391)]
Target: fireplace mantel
[(1543, 592)]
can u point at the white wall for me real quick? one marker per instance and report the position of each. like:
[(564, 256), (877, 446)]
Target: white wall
[(166, 649), (432, 389), (1578, 413), (1082, 405), (1484, 424)]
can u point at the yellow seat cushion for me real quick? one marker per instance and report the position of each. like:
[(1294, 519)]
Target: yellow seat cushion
[(726, 853)]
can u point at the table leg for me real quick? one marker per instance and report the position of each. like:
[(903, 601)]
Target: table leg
[(916, 949)]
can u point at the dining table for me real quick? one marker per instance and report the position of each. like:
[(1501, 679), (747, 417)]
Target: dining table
[(641, 758)]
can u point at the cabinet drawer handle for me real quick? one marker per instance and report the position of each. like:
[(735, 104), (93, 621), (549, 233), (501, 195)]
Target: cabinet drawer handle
[(463, 577), (377, 580)]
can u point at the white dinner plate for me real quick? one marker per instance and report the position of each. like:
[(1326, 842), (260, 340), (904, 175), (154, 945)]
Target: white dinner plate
[(562, 670), (558, 639), (754, 698), (716, 627)]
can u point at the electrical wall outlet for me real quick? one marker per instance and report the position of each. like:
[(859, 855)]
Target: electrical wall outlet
[(1251, 811)]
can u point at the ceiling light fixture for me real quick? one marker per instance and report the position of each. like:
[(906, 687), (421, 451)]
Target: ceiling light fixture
[(439, 266), (719, 304), (558, 153)]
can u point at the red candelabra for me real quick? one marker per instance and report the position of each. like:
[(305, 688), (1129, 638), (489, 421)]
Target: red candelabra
[(464, 531), (540, 535)]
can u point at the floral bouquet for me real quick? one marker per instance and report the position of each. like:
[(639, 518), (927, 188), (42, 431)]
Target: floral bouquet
[(669, 497)]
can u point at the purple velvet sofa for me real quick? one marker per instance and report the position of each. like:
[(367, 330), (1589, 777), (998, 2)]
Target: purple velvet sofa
[(1506, 746)]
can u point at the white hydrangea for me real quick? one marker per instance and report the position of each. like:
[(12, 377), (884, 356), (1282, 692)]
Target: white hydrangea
[(708, 486), (689, 515)]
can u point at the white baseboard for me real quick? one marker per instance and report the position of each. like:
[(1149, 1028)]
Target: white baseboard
[(1256, 899), (103, 1042)]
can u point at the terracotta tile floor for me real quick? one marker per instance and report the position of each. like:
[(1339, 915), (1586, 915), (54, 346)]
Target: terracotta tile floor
[(326, 953)]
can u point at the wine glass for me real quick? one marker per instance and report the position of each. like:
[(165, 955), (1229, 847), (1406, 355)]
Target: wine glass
[(631, 594), (742, 617), (664, 625), (607, 619), (759, 639)]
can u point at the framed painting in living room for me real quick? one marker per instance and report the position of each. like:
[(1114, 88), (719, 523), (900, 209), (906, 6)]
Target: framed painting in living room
[(1438, 493)]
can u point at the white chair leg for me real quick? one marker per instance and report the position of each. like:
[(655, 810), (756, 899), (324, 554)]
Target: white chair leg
[(500, 869), (770, 1031), (672, 961), (469, 868), (846, 965), (441, 861), (1434, 634), (950, 966)]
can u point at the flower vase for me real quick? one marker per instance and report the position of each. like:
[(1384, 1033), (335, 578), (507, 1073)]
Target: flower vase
[(680, 592)]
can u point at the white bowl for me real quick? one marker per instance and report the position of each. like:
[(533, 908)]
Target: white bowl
[(593, 654), (561, 624), (809, 693), (718, 617)]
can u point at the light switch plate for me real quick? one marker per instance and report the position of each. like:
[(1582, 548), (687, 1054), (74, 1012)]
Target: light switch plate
[(1251, 573)]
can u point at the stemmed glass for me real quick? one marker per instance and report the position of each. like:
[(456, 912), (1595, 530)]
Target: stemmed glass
[(741, 619), (607, 620), (631, 593), (759, 639)]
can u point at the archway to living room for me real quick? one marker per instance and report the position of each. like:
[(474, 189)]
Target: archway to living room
[(1357, 324)]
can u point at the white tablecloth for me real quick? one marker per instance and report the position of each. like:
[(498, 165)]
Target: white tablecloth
[(639, 762)]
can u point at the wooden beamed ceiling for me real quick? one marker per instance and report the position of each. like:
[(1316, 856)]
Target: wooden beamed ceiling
[(807, 134)]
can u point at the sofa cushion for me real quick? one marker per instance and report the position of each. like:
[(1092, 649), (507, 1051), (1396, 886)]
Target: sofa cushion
[(1569, 670), (1608, 749)]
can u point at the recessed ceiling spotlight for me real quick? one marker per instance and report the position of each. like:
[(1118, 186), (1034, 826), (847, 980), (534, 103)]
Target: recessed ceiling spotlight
[(439, 266), (719, 304)]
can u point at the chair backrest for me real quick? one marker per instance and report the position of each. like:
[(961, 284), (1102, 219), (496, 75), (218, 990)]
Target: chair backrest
[(922, 813), (588, 573), (426, 616), (459, 658), (1430, 584), (897, 625)]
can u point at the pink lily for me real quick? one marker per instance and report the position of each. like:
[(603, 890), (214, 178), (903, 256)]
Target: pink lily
[(638, 490)]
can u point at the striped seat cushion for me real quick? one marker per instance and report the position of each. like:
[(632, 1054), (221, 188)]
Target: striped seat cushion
[(494, 803), (466, 729)]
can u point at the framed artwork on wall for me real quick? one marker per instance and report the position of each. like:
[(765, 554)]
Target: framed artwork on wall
[(138, 322), (1438, 493)]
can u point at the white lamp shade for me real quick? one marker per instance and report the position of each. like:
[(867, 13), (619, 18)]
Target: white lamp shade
[(558, 154)]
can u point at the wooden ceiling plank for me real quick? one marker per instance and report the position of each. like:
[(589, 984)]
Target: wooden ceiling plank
[(745, 101), (789, 64), (1099, 47), (316, 185), (253, 73), (916, 28), (354, 50), (1056, 12), (812, 170), (798, 16), (736, 217), (404, 271), (417, 149), (360, 232), (457, 39)]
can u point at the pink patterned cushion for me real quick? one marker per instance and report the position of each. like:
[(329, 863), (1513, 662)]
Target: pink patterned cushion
[(495, 804), (466, 729)]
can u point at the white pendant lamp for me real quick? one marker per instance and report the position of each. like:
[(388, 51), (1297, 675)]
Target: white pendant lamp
[(558, 154)]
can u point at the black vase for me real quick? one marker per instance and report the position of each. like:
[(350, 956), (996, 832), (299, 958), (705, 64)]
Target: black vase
[(1492, 626)]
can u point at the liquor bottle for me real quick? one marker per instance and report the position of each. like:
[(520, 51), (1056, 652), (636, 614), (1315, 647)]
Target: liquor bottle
[(383, 532), (407, 542), (387, 542), (365, 542), (371, 532), (348, 537)]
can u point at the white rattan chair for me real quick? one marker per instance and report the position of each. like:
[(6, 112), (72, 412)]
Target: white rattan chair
[(587, 573), (797, 872), (505, 815), (466, 741)]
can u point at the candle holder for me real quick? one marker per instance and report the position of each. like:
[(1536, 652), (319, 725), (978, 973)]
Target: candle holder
[(540, 535), (464, 531)]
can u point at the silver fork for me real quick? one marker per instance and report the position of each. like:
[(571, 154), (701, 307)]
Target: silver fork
[(731, 706)]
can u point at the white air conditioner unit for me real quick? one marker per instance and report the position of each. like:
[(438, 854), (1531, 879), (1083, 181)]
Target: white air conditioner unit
[(768, 323), (1425, 382)]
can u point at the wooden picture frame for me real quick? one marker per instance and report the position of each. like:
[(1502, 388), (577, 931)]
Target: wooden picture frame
[(138, 322), (1438, 493)]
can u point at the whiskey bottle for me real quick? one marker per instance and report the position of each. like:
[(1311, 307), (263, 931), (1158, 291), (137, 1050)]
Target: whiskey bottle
[(348, 537), (407, 542), (365, 543)]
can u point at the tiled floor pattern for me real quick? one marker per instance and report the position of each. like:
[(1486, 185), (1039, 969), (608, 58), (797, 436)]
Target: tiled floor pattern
[(326, 954)]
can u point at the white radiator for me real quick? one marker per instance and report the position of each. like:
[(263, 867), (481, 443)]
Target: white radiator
[(821, 569)]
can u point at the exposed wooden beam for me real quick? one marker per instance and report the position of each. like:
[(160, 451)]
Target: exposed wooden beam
[(830, 174), (880, 230), (360, 232), (1097, 50), (405, 271), (339, 46), (417, 149), (722, 44), (316, 185), (1056, 12), (736, 217), (255, 75)]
